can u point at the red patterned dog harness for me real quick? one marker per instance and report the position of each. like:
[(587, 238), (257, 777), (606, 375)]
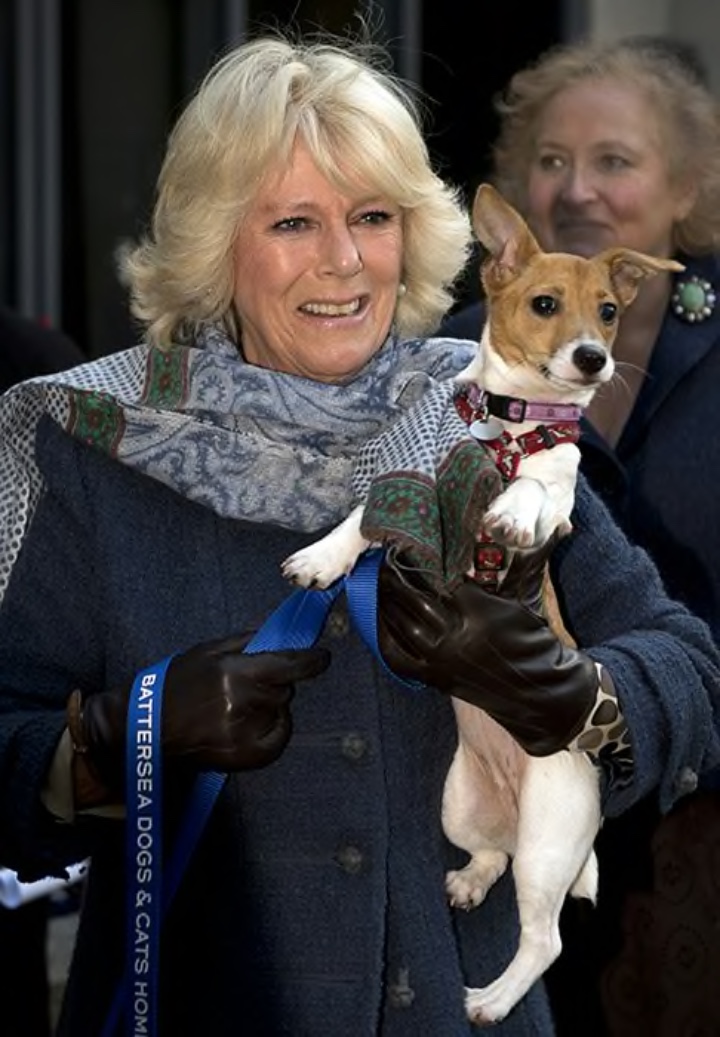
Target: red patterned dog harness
[(478, 406)]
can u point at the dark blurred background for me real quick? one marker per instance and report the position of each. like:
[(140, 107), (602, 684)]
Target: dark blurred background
[(90, 88)]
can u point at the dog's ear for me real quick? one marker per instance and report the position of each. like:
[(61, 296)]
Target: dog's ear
[(628, 268), (505, 235)]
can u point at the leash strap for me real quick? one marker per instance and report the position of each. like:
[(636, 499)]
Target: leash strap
[(296, 623), (137, 994), (361, 589)]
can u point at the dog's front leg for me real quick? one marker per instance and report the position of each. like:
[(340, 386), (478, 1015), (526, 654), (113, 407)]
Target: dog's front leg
[(538, 501), (521, 514), (323, 562)]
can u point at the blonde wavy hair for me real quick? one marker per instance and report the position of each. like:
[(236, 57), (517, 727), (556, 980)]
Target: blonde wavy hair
[(686, 111), (355, 117)]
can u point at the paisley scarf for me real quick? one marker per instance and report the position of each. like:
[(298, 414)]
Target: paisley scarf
[(248, 442)]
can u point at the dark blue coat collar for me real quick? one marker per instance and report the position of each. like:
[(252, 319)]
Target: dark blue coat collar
[(679, 348)]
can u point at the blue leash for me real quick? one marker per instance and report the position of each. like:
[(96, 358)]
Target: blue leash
[(297, 623)]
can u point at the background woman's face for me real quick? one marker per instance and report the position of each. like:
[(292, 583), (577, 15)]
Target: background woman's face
[(316, 273), (599, 175)]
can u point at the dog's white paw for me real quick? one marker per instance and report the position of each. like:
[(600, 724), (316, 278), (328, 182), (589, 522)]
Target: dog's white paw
[(510, 530), (512, 518), (483, 1008), (468, 887), (328, 559), (462, 891), (311, 567), (522, 516)]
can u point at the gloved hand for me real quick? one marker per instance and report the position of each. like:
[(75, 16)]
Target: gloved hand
[(495, 650), (222, 710)]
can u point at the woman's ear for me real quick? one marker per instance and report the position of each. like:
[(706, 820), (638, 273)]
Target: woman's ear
[(686, 196)]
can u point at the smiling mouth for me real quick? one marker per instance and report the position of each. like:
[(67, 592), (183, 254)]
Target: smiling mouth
[(331, 309)]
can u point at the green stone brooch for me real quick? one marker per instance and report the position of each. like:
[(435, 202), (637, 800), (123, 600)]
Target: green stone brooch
[(693, 300)]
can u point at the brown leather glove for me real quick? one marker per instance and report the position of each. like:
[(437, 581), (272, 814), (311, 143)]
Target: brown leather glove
[(494, 650), (222, 710)]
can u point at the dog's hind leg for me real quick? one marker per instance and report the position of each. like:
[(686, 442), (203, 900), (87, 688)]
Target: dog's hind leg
[(477, 817), (559, 819)]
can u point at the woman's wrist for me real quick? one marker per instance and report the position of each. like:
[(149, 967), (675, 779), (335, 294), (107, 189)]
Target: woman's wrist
[(604, 732), (89, 789)]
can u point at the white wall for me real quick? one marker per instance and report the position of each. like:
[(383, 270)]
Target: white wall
[(698, 22), (612, 18), (693, 21)]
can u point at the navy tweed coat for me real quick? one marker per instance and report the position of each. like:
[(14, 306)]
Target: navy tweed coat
[(314, 906)]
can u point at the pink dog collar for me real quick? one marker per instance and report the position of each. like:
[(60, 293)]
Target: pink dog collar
[(511, 408)]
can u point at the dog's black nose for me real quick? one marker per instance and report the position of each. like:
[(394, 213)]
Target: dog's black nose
[(589, 359)]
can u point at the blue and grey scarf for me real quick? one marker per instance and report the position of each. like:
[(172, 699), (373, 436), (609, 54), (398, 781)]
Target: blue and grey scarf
[(248, 442)]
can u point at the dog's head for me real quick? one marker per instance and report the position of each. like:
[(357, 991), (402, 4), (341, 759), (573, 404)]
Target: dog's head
[(553, 317)]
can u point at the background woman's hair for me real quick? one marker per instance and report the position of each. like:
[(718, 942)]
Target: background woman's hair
[(360, 124), (674, 81)]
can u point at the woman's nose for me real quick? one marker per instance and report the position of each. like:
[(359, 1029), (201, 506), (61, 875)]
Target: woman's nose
[(341, 252), (578, 184)]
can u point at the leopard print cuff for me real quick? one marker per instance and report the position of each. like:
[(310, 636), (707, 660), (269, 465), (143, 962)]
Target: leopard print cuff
[(605, 736)]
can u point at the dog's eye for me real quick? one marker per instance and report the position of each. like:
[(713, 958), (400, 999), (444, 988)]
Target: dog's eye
[(608, 312), (545, 305)]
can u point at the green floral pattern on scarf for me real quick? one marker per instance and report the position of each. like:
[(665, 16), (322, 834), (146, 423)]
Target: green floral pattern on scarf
[(167, 379), (426, 483), (96, 419)]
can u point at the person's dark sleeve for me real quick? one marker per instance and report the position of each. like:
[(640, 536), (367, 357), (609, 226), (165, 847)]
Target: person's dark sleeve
[(49, 644), (663, 661)]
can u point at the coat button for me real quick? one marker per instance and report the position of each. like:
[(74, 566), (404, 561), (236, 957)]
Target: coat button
[(686, 782), (338, 623), (350, 859), (354, 746), (401, 994)]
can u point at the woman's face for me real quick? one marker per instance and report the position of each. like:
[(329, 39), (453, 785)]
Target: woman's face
[(599, 176), (316, 272)]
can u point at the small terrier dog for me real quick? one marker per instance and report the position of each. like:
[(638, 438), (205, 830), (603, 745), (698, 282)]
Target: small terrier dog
[(545, 349)]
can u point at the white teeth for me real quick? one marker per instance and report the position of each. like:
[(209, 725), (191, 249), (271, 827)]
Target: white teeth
[(328, 309)]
